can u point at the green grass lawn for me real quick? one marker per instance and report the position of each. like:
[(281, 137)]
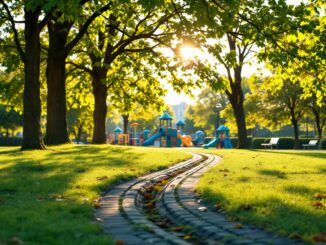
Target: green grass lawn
[(283, 191), (47, 197)]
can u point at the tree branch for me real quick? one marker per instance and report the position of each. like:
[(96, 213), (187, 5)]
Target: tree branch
[(84, 28), (13, 27)]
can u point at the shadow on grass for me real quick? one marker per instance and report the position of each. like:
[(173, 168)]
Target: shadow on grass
[(302, 190), (273, 173), (32, 191), (316, 154), (281, 216)]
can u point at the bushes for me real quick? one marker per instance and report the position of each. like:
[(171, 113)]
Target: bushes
[(256, 143), (285, 143), (11, 141)]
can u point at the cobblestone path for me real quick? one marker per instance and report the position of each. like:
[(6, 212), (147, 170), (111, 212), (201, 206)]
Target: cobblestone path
[(179, 218)]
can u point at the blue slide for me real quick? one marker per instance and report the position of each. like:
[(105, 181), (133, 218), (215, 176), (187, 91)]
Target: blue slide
[(212, 143), (150, 140)]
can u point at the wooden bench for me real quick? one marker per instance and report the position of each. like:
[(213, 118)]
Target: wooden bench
[(273, 142), (312, 144)]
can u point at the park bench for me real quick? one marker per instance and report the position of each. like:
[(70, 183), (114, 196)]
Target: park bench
[(311, 144), (273, 142)]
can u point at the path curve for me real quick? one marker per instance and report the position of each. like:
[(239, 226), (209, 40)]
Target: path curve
[(123, 212)]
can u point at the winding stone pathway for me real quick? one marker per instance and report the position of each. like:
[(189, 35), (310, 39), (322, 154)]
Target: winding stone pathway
[(123, 216)]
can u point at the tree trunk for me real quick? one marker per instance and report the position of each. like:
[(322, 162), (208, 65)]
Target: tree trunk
[(241, 125), (32, 135), (318, 124), (79, 133), (100, 110), (125, 123), (296, 134), (294, 121), (56, 126), (236, 98)]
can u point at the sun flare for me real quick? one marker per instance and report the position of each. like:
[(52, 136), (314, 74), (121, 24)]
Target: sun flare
[(187, 52)]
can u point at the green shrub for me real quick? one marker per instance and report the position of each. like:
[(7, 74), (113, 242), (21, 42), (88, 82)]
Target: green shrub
[(234, 141), (11, 141), (323, 144), (256, 143), (286, 143)]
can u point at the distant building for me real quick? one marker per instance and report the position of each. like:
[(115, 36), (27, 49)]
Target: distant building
[(179, 111)]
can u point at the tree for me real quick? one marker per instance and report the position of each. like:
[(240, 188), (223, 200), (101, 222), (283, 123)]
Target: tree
[(206, 112), (243, 24), (79, 122), (131, 29), (62, 39), (32, 12), (282, 103), (136, 86), (319, 112), (9, 119)]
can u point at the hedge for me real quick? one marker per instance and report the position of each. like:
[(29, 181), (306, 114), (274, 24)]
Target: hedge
[(284, 142), (11, 141), (323, 144)]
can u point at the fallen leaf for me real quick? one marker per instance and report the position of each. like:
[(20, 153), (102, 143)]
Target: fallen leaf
[(238, 226), (321, 237), (187, 237), (96, 205), (119, 242), (178, 228), (245, 207), (102, 177), (319, 196), (218, 205), (317, 204), (148, 196)]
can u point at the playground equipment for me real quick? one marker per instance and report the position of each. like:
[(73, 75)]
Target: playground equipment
[(166, 135), (116, 131), (183, 140), (198, 138), (146, 133), (222, 139), (123, 139), (135, 137)]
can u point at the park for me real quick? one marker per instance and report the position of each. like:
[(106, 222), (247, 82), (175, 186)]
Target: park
[(162, 122)]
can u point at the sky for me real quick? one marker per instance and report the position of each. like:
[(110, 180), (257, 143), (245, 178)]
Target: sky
[(173, 98)]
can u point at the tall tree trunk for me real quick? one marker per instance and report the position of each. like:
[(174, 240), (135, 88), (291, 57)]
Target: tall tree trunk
[(296, 134), (241, 126), (56, 126), (295, 125), (32, 135), (125, 123), (318, 124), (79, 133), (237, 99), (100, 108)]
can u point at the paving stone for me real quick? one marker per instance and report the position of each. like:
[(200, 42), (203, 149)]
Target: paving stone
[(213, 226)]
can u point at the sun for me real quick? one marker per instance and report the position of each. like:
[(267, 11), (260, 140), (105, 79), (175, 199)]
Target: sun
[(187, 52)]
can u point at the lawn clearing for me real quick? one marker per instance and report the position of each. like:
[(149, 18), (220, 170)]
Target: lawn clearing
[(283, 191), (48, 197)]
